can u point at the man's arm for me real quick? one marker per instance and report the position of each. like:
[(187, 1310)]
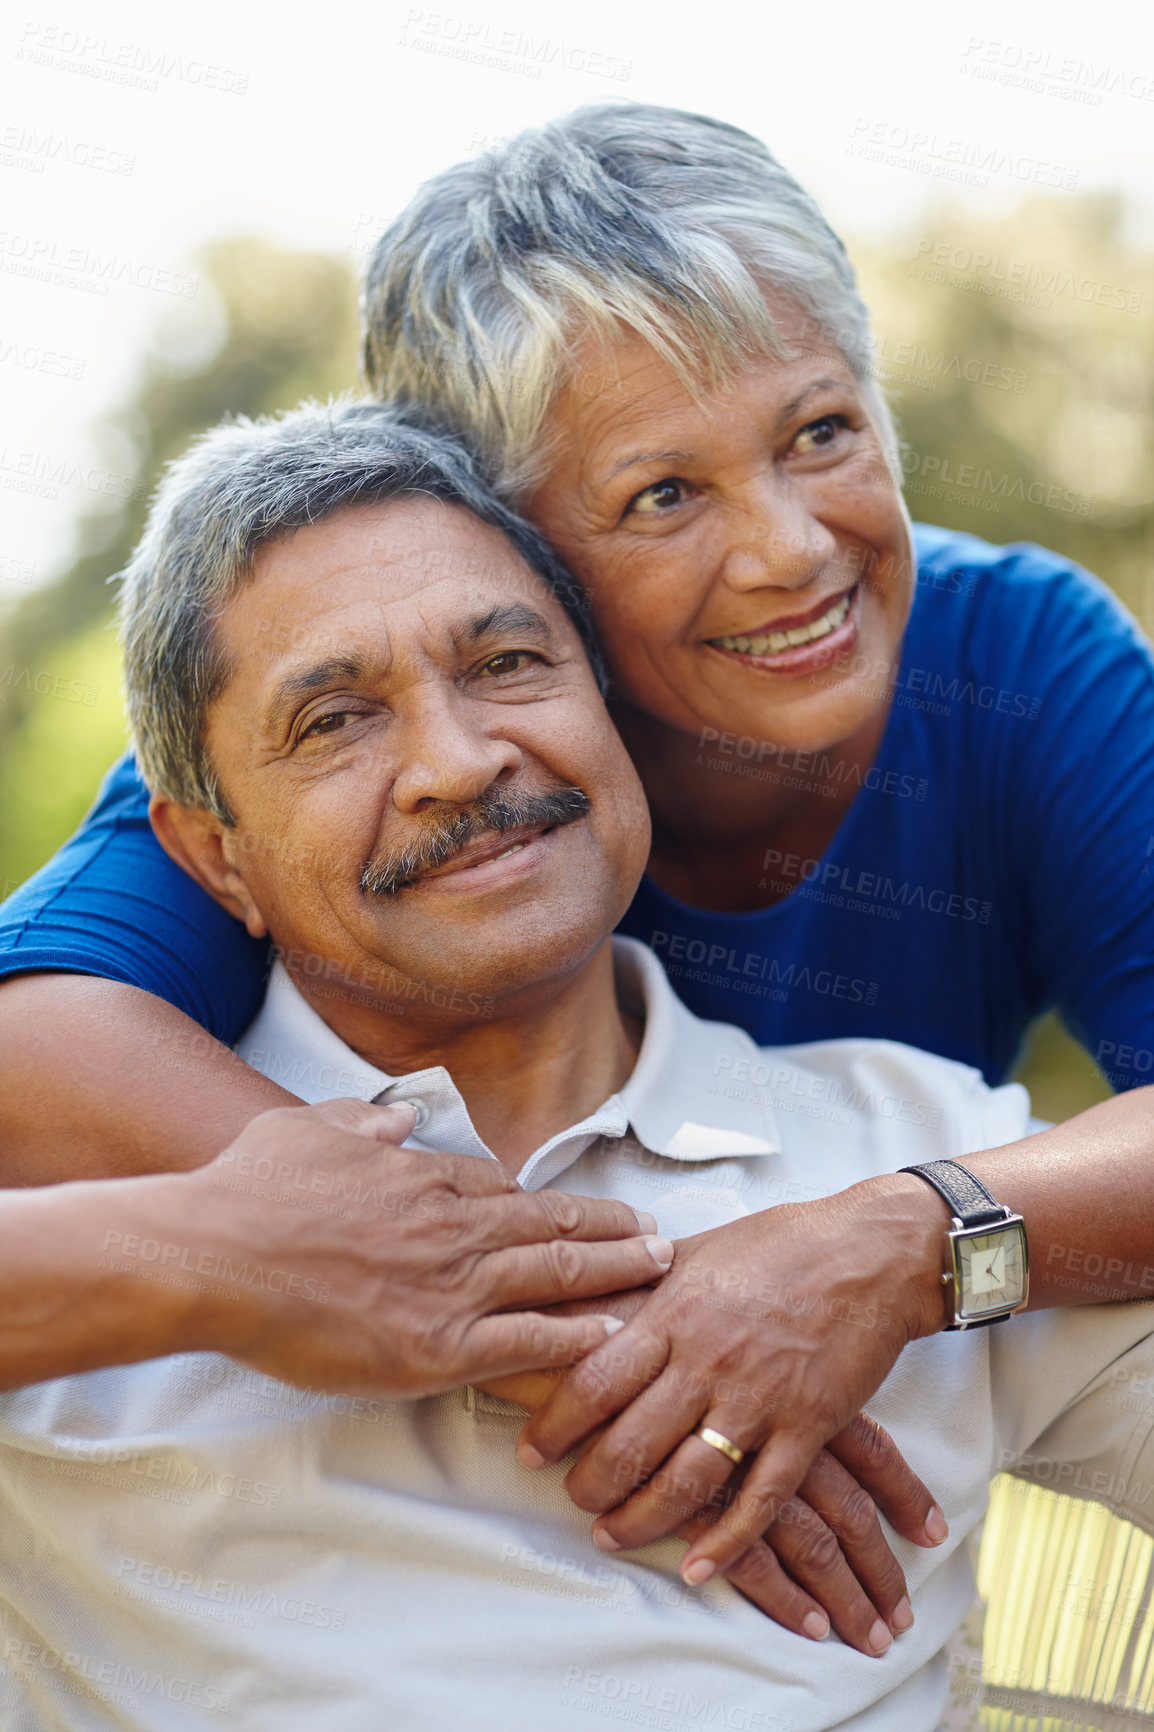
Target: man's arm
[(316, 1250)]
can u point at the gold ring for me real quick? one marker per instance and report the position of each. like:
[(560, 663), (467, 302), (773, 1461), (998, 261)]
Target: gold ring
[(715, 1440)]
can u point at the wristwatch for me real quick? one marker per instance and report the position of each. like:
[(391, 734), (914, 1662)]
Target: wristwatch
[(989, 1258)]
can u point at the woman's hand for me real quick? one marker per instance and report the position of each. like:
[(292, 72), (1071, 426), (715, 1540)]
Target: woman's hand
[(824, 1561), (773, 1330)]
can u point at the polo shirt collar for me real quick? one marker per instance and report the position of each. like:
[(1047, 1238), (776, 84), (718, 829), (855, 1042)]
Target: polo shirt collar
[(672, 1102)]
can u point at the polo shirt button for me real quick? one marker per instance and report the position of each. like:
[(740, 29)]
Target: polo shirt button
[(422, 1110)]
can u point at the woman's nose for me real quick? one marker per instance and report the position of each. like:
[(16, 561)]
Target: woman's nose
[(773, 541)]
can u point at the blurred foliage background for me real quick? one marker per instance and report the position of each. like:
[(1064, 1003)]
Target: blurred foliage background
[(1018, 352)]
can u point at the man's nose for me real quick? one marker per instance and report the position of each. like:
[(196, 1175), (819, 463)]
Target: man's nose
[(448, 754), (773, 540)]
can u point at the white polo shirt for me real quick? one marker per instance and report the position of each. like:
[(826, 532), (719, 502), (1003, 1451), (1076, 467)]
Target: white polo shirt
[(186, 1544)]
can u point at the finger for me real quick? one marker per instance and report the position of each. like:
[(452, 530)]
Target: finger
[(810, 1551), (776, 1472), (759, 1576), (390, 1123), (848, 1513), (529, 1218), (870, 1454), (530, 1341), (682, 1474), (540, 1275), (593, 1393)]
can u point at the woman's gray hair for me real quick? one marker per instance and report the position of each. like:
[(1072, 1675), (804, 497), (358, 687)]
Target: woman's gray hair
[(619, 215), (236, 488)]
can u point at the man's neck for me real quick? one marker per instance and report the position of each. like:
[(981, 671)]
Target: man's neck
[(534, 1067)]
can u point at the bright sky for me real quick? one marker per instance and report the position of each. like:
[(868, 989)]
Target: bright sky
[(129, 135)]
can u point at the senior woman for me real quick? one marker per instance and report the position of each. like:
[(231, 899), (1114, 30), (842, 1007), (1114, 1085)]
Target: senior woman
[(901, 781)]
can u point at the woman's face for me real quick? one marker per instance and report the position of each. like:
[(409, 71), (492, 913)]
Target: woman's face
[(747, 556)]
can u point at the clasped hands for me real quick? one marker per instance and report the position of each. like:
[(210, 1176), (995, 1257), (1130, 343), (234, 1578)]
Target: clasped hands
[(417, 1272), (779, 1364)]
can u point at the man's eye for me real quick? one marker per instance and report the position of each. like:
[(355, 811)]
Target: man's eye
[(328, 724), (660, 497), (508, 662), (820, 434)]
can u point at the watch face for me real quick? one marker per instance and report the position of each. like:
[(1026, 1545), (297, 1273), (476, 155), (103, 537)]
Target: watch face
[(991, 1269)]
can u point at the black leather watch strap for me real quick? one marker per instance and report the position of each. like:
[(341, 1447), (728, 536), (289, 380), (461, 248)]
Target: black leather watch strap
[(966, 1195)]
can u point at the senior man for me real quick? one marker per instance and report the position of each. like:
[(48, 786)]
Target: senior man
[(373, 733)]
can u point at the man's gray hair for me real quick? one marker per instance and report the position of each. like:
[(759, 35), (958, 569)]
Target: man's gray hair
[(619, 215), (238, 487)]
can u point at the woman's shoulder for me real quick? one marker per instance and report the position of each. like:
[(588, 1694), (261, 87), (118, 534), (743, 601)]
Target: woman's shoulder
[(1018, 607)]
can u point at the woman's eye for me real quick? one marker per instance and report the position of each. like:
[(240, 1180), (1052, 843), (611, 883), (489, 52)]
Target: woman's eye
[(663, 494), (508, 662), (820, 434)]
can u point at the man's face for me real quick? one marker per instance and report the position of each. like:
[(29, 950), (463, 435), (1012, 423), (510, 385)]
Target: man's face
[(401, 682)]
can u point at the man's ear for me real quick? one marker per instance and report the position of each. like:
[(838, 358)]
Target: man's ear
[(194, 839)]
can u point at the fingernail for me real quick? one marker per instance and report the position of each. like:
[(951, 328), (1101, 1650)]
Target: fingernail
[(816, 1626), (528, 1456), (903, 1615), (937, 1528), (696, 1575), (612, 1325), (661, 1251), (605, 1541), (879, 1638), (646, 1223)]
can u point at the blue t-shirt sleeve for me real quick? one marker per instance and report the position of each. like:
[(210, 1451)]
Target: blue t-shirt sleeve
[(1078, 792), (112, 903)]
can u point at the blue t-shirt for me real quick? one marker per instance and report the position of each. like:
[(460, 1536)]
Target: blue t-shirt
[(997, 861)]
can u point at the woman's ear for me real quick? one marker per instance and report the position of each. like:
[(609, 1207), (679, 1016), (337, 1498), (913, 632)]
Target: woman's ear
[(194, 839)]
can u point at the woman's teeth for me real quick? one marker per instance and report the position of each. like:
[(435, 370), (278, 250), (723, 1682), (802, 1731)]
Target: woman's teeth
[(772, 643)]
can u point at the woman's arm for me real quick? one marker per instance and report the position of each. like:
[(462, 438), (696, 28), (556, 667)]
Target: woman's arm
[(113, 965), (102, 1080)]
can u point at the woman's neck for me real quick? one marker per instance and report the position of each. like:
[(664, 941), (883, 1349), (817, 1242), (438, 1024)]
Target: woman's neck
[(731, 834)]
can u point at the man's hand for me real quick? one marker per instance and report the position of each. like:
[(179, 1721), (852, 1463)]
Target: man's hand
[(773, 1330), (326, 1255)]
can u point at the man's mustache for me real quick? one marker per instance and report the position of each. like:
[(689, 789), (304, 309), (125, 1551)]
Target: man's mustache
[(443, 838)]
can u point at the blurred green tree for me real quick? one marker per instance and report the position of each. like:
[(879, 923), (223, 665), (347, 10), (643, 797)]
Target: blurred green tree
[(270, 326)]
